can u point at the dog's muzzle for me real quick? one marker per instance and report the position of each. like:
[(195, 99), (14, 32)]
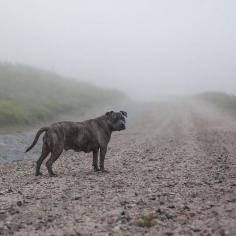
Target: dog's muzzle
[(122, 126)]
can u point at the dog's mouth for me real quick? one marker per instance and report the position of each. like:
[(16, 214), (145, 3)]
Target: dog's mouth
[(122, 127)]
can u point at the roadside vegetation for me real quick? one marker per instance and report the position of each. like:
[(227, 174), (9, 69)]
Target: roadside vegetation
[(29, 95), (225, 102)]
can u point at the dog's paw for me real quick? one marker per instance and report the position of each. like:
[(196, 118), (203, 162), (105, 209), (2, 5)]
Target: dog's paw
[(38, 174), (53, 175), (105, 171), (96, 169)]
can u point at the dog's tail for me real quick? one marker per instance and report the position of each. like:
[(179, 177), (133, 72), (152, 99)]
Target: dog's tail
[(37, 137)]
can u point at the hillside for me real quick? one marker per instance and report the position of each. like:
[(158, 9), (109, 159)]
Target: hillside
[(29, 95), (225, 102)]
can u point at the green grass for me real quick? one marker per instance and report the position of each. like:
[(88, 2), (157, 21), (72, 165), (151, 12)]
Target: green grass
[(29, 95), (224, 101), (146, 221)]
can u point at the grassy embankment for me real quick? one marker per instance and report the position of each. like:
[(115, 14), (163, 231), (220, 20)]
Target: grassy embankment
[(29, 96), (223, 101)]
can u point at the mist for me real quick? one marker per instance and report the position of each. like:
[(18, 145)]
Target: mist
[(145, 48)]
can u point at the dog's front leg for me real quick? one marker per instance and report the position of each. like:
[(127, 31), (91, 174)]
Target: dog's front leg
[(103, 151), (95, 160)]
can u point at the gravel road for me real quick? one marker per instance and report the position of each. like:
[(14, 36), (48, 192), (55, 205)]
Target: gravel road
[(172, 172)]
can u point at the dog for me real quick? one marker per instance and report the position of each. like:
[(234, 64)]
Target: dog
[(88, 136)]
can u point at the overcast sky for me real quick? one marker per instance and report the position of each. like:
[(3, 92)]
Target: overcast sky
[(146, 48)]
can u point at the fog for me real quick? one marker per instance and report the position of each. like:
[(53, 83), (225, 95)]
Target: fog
[(146, 48)]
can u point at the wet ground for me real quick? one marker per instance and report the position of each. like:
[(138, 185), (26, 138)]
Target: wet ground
[(172, 172)]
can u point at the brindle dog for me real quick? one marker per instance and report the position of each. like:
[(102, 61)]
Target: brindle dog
[(87, 136)]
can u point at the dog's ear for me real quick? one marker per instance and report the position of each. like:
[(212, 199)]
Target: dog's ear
[(124, 113), (109, 113)]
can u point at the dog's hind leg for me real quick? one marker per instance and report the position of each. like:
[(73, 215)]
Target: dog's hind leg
[(54, 156), (44, 154)]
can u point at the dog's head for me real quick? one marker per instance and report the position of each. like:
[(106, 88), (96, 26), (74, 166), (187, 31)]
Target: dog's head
[(116, 120)]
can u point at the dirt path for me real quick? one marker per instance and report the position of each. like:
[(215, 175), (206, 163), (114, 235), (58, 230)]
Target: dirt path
[(172, 172)]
